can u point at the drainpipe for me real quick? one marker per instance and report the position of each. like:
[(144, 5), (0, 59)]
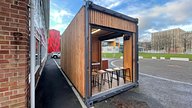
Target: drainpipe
[(32, 55)]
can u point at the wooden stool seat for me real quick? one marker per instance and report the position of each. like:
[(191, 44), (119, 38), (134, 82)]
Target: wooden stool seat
[(109, 70), (101, 71), (116, 69), (122, 68)]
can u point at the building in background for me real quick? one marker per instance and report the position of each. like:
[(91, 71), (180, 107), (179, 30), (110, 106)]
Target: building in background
[(171, 41), (54, 41), (15, 29), (111, 46), (187, 42), (144, 46)]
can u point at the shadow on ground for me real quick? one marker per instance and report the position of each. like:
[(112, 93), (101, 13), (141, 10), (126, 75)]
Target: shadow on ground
[(129, 99), (53, 90)]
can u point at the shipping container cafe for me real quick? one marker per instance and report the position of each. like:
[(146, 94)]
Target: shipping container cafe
[(82, 60)]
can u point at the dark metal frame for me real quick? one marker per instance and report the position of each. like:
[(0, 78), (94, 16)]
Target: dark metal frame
[(89, 99), (136, 55), (86, 52), (111, 92), (110, 36)]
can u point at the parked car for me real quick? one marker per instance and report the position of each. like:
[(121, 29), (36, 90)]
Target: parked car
[(56, 55)]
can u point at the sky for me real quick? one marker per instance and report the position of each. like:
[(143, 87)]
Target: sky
[(153, 15)]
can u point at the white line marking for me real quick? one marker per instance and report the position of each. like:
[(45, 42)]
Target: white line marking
[(170, 80), (112, 63), (74, 90)]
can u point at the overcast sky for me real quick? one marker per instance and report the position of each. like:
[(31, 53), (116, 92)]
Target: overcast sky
[(154, 15)]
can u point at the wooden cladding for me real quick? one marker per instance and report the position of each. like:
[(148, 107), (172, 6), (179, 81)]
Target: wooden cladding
[(103, 19), (73, 52), (128, 56), (96, 49)]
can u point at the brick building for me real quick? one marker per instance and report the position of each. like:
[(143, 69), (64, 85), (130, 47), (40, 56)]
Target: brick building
[(170, 41), (144, 46), (15, 49)]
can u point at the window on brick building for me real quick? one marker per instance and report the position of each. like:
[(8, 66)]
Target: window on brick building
[(37, 53)]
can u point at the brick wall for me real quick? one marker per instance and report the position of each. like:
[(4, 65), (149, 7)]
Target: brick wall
[(14, 53)]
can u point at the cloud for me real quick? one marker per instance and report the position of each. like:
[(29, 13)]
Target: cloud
[(171, 13), (187, 27), (59, 17), (59, 27), (151, 30), (158, 17), (108, 3)]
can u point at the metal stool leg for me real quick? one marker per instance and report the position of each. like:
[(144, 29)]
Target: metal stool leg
[(104, 78), (117, 74), (111, 79), (108, 79), (101, 82), (98, 81), (124, 76)]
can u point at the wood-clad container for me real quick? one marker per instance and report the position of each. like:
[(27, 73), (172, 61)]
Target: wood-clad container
[(73, 51), (79, 48)]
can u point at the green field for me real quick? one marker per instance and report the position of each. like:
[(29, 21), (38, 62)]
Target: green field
[(149, 55), (112, 55), (167, 56)]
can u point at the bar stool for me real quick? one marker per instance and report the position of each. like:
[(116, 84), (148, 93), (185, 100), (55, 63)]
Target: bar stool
[(110, 71), (102, 73), (95, 79), (124, 73), (117, 70)]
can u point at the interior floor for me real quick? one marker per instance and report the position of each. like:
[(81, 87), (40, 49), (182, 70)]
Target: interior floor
[(105, 87)]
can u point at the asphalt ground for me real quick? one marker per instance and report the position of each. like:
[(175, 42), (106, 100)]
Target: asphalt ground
[(158, 88), (152, 93), (173, 70), (53, 91), (162, 84)]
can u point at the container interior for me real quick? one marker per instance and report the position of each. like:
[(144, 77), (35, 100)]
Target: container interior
[(111, 59)]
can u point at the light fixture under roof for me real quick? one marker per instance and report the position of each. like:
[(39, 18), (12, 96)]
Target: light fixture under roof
[(95, 31)]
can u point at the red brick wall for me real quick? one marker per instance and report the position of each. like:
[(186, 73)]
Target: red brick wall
[(14, 53)]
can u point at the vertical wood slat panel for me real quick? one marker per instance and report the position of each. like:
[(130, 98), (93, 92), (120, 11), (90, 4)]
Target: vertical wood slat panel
[(127, 56), (95, 49), (73, 60), (103, 19)]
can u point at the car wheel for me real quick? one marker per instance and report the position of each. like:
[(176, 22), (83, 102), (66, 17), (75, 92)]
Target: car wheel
[(54, 57)]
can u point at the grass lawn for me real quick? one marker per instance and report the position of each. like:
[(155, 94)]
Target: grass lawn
[(112, 55), (149, 55), (167, 56)]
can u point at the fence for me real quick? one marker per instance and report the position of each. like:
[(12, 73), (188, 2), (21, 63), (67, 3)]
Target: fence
[(110, 49)]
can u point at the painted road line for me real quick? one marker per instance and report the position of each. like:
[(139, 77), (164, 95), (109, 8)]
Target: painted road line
[(154, 57), (162, 58), (175, 81), (140, 57), (179, 59), (112, 63), (74, 90)]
